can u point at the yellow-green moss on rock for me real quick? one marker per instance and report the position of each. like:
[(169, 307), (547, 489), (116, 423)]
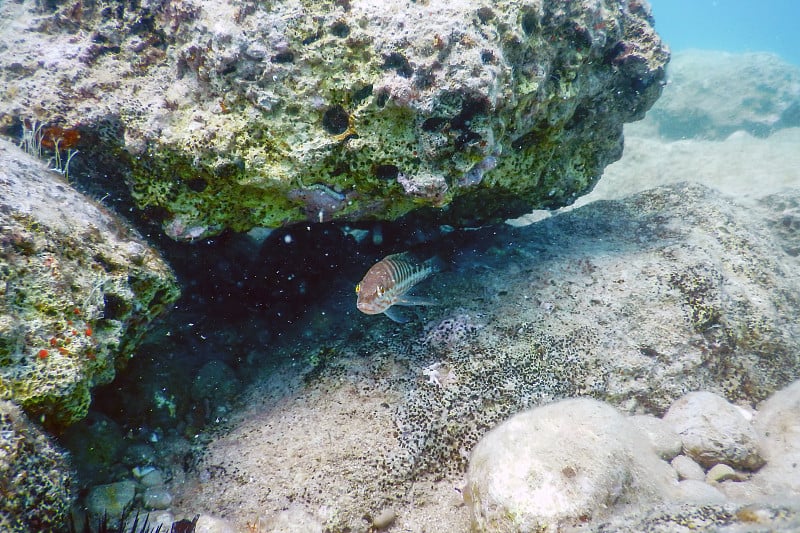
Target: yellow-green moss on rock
[(77, 291)]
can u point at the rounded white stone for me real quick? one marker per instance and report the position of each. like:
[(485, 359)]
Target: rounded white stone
[(720, 472), (692, 490), (559, 465), (714, 431), (687, 468)]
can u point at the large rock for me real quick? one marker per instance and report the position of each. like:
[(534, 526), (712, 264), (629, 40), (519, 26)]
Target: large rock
[(635, 302), (233, 116), (713, 94), (35, 477), (560, 465), (78, 289)]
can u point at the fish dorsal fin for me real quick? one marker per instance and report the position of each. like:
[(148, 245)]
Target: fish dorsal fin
[(401, 256)]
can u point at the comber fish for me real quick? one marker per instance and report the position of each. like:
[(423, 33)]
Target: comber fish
[(388, 281)]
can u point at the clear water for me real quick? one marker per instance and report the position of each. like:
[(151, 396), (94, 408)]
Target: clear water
[(731, 25)]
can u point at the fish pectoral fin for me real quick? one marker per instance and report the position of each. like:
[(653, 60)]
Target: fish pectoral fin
[(396, 315), (415, 300)]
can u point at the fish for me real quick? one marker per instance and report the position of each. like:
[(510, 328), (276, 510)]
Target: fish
[(388, 282)]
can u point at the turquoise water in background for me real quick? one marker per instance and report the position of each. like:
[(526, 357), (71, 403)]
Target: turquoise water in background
[(731, 25)]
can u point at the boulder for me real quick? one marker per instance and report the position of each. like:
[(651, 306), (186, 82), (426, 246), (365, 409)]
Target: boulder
[(79, 288), (230, 116), (778, 425), (560, 465), (712, 94), (714, 431)]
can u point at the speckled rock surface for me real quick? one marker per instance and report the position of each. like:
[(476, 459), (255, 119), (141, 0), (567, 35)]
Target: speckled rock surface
[(636, 302), (234, 115), (713, 94), (35, 476), (77, 291)]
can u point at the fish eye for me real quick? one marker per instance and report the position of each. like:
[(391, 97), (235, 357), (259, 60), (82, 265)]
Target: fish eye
[(358, 288)]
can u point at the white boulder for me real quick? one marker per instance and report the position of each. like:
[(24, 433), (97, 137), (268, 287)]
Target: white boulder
[(562, 464), (714, 431)]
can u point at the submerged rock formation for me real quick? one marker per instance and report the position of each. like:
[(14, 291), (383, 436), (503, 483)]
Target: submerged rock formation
[(714, 94), (635, 302), (231, 115), (78, 288), (579, 463)]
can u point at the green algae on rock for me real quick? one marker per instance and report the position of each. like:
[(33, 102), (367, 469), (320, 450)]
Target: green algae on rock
[(35, 479), (78, 288), (265, 115)]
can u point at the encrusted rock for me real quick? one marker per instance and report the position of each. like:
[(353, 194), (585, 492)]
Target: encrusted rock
[(35, 477), (561, 464), (231, 116), (78, 288), (714, 431)]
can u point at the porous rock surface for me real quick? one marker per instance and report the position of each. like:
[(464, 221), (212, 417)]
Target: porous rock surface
[(635, 301), (569, 461), (35, 477), (231, 115), (78, 289)]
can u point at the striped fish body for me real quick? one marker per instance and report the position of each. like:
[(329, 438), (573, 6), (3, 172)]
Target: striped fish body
[(389, 280)]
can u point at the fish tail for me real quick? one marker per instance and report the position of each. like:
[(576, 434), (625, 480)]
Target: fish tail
[(436, 264)]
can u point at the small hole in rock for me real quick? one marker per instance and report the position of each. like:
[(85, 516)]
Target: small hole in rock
[(335, 120), (340, 29), (283, 57), (386, 172), (529, 23)]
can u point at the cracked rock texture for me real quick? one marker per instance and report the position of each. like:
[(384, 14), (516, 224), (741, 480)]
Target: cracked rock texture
[(78, 289), (239, 114)]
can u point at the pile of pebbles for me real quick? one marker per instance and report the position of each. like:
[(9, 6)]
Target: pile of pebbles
[(581, 461)]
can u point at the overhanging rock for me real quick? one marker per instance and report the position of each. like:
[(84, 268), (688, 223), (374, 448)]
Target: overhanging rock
[(230, 115)]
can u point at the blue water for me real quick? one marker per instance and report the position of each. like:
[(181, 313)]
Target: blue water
[(731, 25)]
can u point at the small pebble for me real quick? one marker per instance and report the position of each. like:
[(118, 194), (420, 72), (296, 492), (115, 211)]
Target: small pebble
[(720, 472), (156, 498), (153, 478), (384, 519), (692, 490), (687, 468), (140, 471)]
